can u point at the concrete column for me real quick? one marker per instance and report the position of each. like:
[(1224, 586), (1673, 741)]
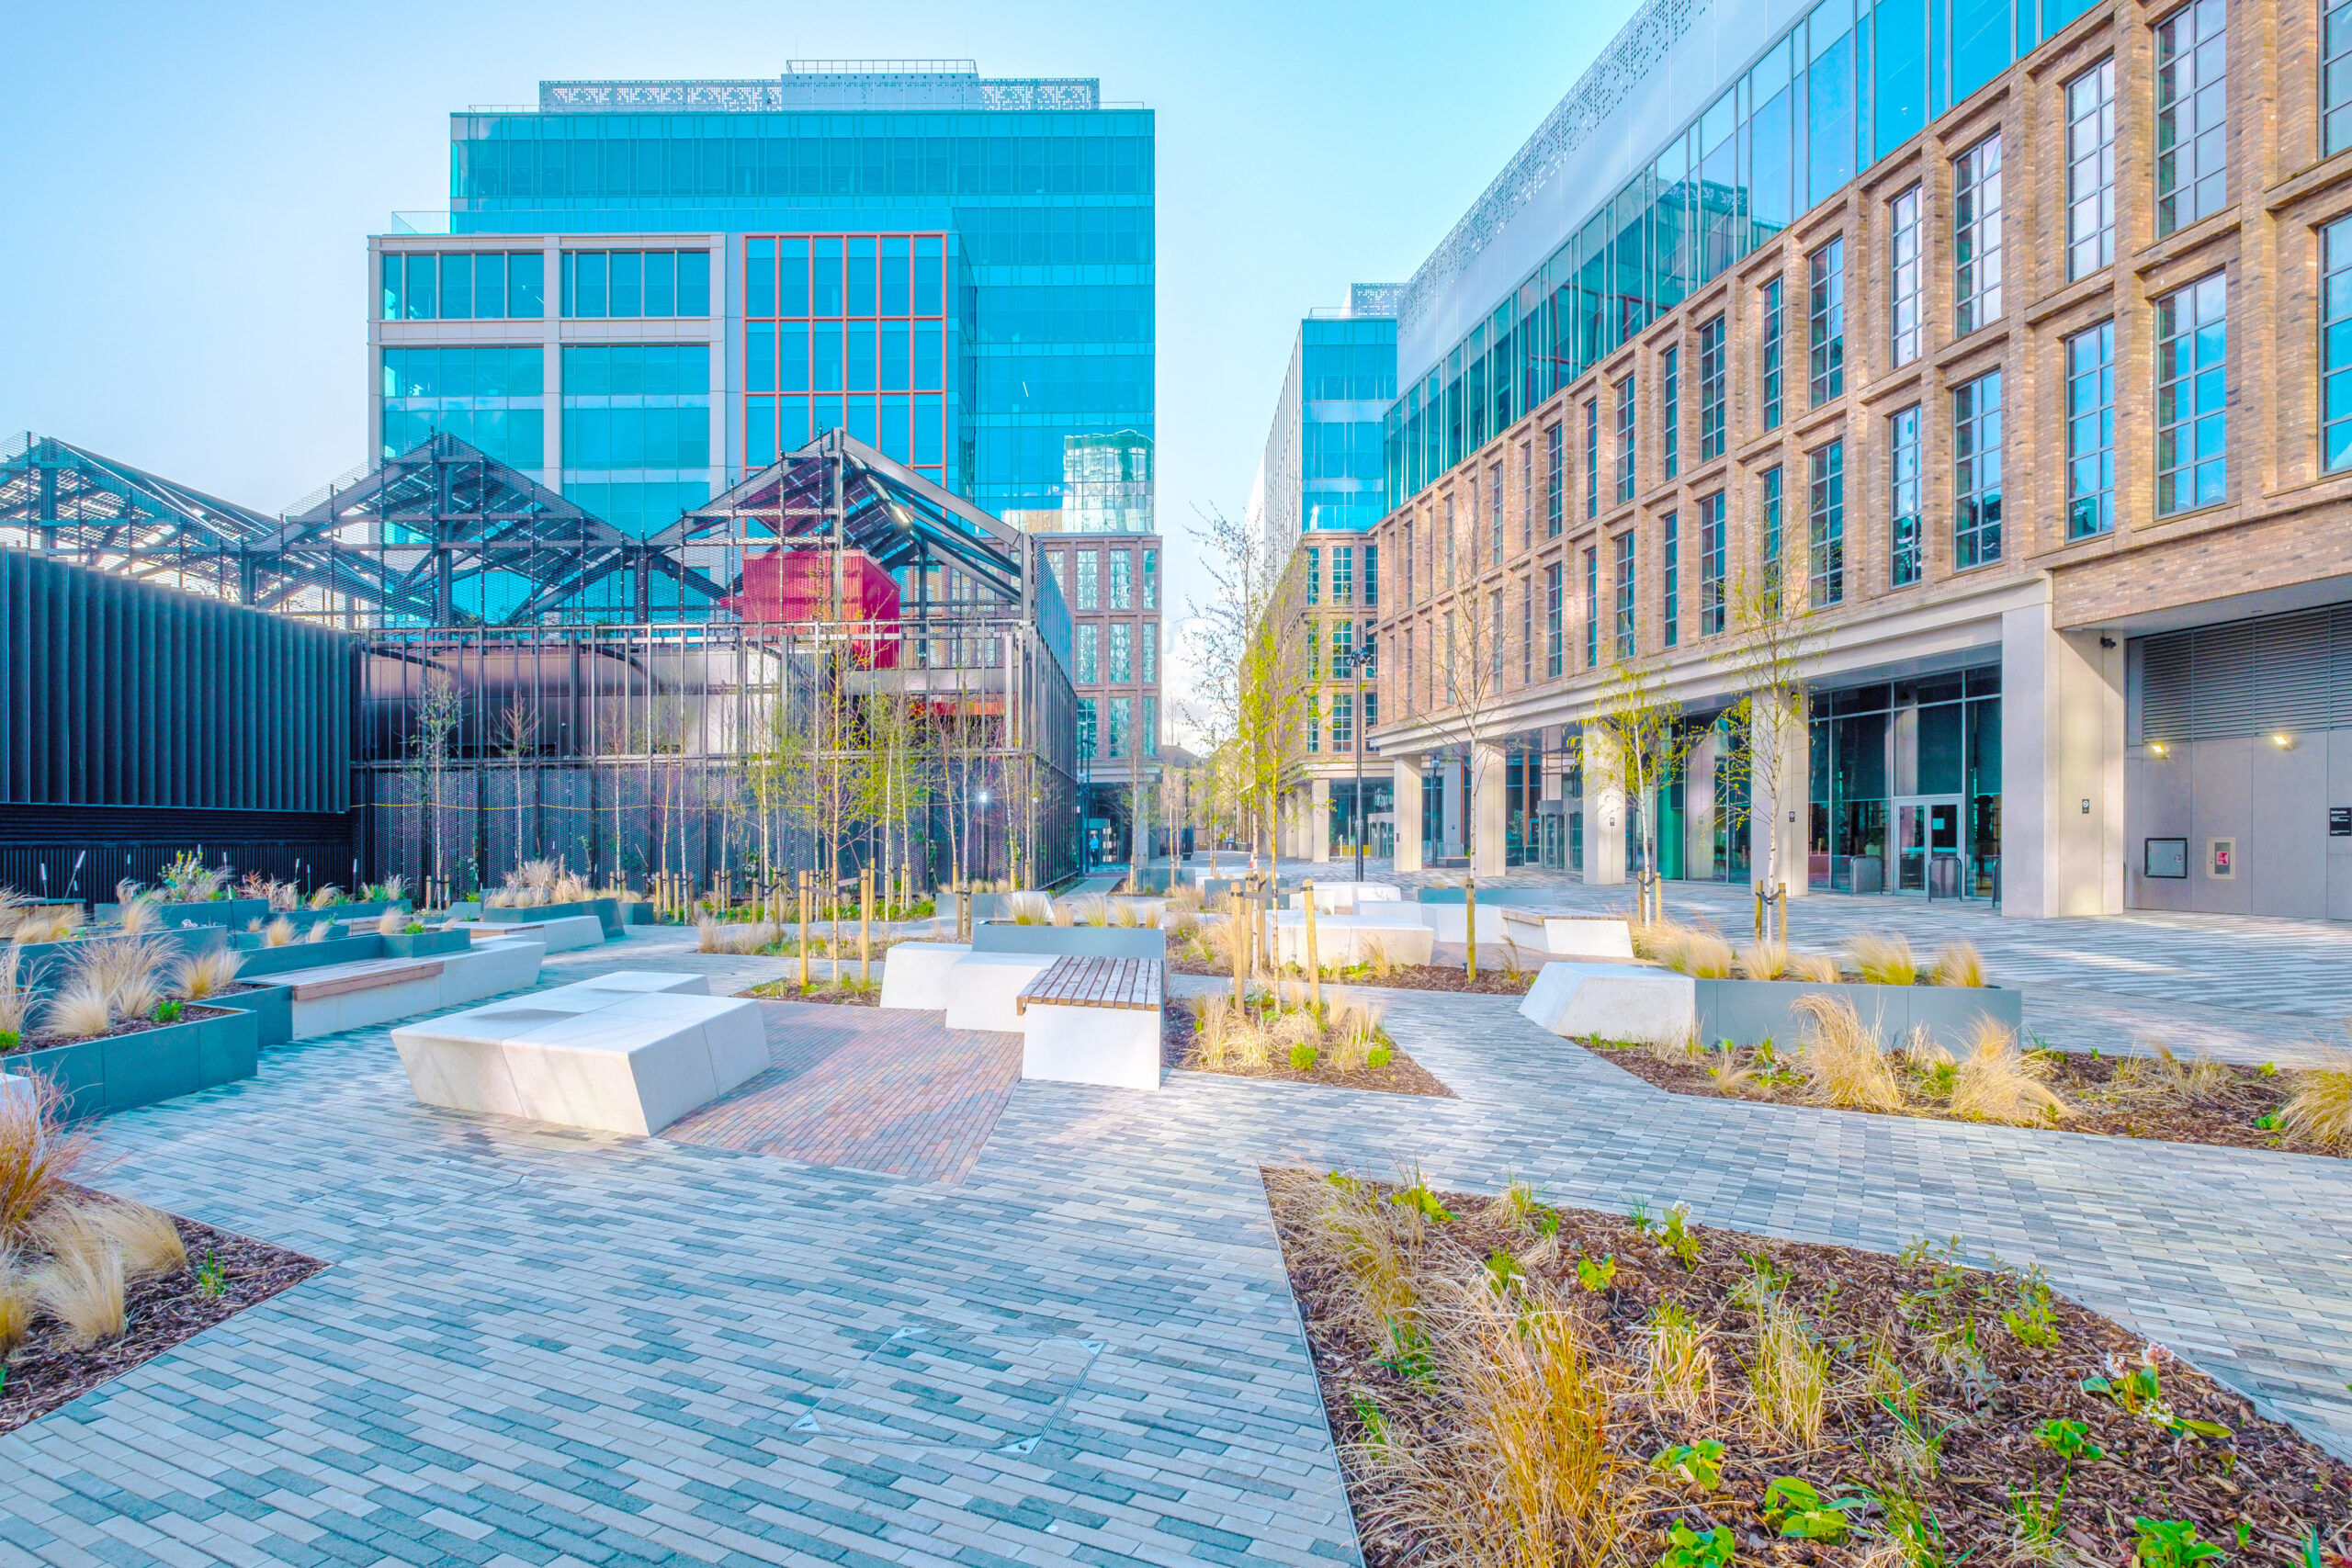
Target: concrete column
[(1489, 848), (1699, 810), (1318, 820), (2062, 768), (1604, 814), (1406, 808), (1455, 832)]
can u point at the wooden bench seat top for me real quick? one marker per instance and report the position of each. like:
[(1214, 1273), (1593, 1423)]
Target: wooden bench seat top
[(1137, 983), (336, 979)]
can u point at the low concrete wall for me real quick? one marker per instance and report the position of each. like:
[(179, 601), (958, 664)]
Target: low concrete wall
[(121, 1071), (1747, 1011)]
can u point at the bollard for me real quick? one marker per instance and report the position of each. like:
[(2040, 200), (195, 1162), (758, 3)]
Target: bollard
[(1314, 963), (865, 925), (804, 930)]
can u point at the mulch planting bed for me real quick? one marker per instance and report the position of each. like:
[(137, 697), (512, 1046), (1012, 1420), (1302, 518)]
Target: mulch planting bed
[(2137, 1097), (1487, 1396), (1179, 1030), (44, 1039), (1403, 977), (159, 1312), (818, 991)]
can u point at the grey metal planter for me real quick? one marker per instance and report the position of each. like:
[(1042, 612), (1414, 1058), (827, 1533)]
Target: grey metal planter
[(1071, 941), (1747, 1011), (424, 944), (606, 909), (215, 1045), (46, 962), (259, 961), (271, 1005)]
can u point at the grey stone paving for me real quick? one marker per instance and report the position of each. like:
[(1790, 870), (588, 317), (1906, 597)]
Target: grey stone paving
[(544, 1347)]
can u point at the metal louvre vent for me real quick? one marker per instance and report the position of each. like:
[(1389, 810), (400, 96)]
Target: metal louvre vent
[(2280, 672)]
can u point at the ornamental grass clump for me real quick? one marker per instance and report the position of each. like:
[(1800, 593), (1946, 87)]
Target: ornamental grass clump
[(1787, 1368), (1765, 960), (200, 974), (147, 1239), (1958, 964), (280, 932), (1995, 1081), (57, 922), (138, 914), (1703, 956), (1031, 908), (1841, 1058), (82, 1283), (391, 922), (1813, 968), (39, 1152), (16, 997), (1883, 959), (2320, 1111)]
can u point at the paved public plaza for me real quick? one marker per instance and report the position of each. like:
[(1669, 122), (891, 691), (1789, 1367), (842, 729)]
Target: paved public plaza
[(888, 1303)]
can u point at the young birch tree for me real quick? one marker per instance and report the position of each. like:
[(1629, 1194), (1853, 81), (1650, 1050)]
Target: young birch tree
[(1770, 659), (1248, 648), (1636, 741), (1470, 663)]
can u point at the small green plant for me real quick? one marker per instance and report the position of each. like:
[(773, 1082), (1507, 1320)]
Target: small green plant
[(1408, 1354), (414, 927), (10, 1040), (2140, 1390), (1504, 1269), (2267, 1123), (1796, 1507), (168, 1011), (2032, 1322), (2170, 1543), (1699, 1463), (1302, 1058), (2243, 1531), (1379, 1056), (1678, 1238), (1640, 1219), (2070, 1440), (1423, 1202), (211, 1280), (1689, 1549), (1597, 1275), (1913, 1526), (2033, 1517), (1369, 1416)]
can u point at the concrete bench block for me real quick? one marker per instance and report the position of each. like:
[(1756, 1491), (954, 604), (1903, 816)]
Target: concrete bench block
[(914, 973), (1349, 938), (984, 988), (636, 982), (563, 933), (1581, 936), (633, 1063), (1115, 1047), (490, 969), (1613, 1001)]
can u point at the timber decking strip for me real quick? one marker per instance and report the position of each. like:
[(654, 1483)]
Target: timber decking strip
[(335, 980), (1137, 983)]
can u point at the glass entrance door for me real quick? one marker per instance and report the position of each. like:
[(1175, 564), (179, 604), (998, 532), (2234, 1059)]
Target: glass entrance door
[(1926, 838)]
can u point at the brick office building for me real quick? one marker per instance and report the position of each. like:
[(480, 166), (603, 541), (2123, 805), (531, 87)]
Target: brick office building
[(2019, 340)]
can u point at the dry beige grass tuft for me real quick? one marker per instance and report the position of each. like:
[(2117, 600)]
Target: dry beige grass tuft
[(1998, 1082), (1958, 964), (391, 922), (40, 1151), (280, 932), (1814, 968), (1842, 1056), (1788, 1372), (16, 1304), (2320, 1111), (1922, 1051), (1883, 959), (150, 1243), (78, 1011), (200, 974), (138, 914), (1678, 1362), (1705, 957), (1763, 961), (16, 997), (81, 1284)]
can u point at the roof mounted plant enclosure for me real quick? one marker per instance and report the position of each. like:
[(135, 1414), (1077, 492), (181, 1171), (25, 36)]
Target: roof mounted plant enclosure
[(128, 693)]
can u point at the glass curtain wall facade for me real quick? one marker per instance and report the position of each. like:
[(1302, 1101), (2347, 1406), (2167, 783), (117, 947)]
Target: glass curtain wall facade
[(1848, 83), (970, 260)]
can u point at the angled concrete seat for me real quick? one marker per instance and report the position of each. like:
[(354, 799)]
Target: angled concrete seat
[(621, 1054), (984, 989), (914, 973), (1613, 1001)]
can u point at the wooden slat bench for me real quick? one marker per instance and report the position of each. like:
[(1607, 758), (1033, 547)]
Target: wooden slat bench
[(339, 979), (1136, 983)]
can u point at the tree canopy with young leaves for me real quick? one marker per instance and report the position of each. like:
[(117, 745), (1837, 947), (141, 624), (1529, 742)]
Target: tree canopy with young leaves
[(1768, 658), (1249, 654)]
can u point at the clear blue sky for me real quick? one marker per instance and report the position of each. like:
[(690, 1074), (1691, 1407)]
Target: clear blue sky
[(183, 282)]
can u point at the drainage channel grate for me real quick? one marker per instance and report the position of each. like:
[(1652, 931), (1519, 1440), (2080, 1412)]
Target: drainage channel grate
[(940, 1387)]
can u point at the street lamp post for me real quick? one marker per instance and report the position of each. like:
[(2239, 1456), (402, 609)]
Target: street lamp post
[(1362, 656)]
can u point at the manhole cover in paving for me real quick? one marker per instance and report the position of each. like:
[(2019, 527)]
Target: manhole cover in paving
[(943, 1388)]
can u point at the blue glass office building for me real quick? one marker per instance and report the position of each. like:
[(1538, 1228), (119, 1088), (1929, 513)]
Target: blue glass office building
[(1699, 135), (701, 274), (1322, 467)]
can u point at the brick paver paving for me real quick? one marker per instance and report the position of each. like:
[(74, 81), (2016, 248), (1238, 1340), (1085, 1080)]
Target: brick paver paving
[(897, 1092), (551, 1347)]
